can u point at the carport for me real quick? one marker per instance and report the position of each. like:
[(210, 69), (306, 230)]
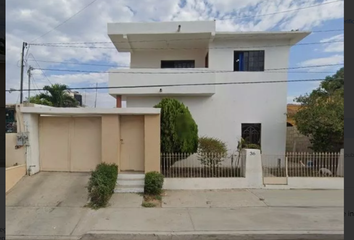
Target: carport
[(77, 139)]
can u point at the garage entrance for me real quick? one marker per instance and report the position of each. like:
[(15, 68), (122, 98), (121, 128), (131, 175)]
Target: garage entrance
[(69, 144)]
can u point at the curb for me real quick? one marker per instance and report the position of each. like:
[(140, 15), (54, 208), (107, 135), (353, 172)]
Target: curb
[(216, 235), (34, 237)]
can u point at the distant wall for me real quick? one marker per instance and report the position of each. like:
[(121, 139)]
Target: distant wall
[(296, 142), (13, 155), (13, 175)]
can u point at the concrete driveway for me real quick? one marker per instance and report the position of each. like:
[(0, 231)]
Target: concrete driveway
[(51, 206), (47, 204)]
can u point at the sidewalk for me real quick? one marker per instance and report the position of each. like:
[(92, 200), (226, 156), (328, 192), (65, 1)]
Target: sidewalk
[(292, 213)]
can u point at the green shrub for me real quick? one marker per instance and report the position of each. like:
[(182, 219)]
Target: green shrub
[(153, 183), (211, 151), (179, 132), (101, 184)]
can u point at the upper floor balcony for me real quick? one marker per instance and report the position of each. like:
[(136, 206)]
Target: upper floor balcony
[(162, 82)]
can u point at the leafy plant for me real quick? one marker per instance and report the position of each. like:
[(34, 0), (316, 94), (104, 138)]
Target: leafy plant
[(211, 151), (242, 144), (321, 116), (101, 184), (179, 132), (153, 183)]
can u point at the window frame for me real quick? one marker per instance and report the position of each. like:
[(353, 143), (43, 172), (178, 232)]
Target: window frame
[(249, 61)]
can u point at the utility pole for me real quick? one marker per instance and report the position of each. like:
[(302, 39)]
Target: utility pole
[(24, 45), (96, 95), (29, 82)]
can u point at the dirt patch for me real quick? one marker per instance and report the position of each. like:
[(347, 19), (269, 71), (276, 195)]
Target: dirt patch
[(150, 201)]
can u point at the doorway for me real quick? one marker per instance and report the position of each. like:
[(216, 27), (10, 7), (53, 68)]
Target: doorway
[(132, 144)]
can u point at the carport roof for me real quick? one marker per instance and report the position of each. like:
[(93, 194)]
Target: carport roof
[(90, 111)]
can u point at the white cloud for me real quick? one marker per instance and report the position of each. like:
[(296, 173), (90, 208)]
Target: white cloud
[(336, 45), (335, 59), (26, 20)]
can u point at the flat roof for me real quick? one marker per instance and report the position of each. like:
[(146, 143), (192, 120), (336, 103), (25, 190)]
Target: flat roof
[(90, 111), (293, 36)]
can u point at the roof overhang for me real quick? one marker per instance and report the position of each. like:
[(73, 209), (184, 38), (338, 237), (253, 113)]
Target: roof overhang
[(292, 36), (89, 111), (129, 37)]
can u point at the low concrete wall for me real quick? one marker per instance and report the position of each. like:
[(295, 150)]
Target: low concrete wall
[(315, 183), (13, 175), (13, 155)]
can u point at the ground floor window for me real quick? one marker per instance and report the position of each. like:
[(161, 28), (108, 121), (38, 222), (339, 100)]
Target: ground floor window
[(251, 133)]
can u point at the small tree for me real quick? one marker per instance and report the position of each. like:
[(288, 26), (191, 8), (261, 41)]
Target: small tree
[(321, 116), (211, 152), (179, 132)]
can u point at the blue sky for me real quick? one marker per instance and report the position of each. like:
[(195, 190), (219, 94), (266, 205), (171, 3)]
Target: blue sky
[(29, 20)]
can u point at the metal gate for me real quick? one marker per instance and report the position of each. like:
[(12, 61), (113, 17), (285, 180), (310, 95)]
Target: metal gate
[(275, 169)]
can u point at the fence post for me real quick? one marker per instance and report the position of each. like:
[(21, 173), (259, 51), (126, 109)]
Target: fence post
[(286, 167)]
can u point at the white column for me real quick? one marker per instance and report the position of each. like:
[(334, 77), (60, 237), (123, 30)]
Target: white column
[(340, 168), (32, 128), (254, 174)]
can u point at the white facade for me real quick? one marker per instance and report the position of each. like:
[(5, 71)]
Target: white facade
[(219, 109)]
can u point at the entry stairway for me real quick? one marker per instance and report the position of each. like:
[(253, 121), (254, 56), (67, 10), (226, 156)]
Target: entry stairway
[(128, 182)]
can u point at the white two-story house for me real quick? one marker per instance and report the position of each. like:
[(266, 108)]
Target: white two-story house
[(221, 76)]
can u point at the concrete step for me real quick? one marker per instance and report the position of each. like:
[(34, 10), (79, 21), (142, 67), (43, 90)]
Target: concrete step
[(131, 176), (130, 182), (129, 189)]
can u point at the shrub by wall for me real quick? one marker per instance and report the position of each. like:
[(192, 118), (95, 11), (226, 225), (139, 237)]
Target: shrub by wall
[(211, 151), (101, 184), (153, 183)]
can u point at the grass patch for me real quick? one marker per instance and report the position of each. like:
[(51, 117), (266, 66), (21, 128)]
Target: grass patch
[(148, 204), (152, 201)]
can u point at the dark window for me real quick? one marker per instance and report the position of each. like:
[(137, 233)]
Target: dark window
[(178, 64), (251, 133), (250, 61)]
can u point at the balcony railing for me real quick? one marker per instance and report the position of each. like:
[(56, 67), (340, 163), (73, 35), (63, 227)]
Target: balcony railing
[(162, 82)]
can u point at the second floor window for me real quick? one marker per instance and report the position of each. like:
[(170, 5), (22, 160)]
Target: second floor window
[(178, 64), (249, 61)]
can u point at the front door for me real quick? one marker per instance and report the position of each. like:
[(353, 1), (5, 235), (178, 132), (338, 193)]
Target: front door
[(132, 143)]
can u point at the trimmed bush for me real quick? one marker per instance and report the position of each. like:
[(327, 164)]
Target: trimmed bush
[(211, 151), (153, 183), (101, 184), (179, 132)]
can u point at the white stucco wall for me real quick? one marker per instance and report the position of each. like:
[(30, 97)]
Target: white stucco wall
[(222, 114)]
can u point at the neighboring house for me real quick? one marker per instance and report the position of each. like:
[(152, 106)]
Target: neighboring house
[(76, 95), (295, 141), (182, 53)]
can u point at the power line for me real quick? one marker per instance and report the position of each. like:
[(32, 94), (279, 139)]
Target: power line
[(291, 10), (40, 68), (161, 40), (64, 21), (206, 71), (193, 48), (192, 84), (116, 65)]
